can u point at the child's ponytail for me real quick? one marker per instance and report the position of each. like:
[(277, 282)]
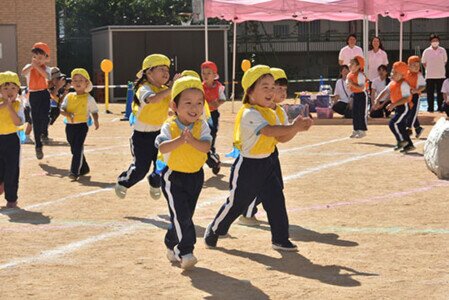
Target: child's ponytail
[(137, 83)]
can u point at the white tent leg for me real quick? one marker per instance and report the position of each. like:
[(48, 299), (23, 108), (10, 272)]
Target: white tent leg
[(365, 41), (234, 57), (206, 39), (401, 30)]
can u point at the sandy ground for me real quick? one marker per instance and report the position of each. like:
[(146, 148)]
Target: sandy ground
[(369, 223)]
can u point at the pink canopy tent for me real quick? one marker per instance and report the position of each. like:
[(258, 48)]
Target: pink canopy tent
[(239, 11)]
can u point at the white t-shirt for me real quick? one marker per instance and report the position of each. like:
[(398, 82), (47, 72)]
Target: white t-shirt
[(375, 59), (435, 61), (378, 86), (342, 90), (347, 53), (251, 124), (143, 93), (445, 87)]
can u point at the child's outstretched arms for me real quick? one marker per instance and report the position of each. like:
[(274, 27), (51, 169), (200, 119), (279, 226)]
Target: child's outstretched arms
[(284, 133)]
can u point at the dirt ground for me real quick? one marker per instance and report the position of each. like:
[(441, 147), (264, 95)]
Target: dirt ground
[(368, 222)]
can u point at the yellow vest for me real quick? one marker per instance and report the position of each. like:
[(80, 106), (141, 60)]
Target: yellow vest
[(280, 114), (186, 158), (77, 105), (265, 144), (152, 113), (6, 124), (206, 111)]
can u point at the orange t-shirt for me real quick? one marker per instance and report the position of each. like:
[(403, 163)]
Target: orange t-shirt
[(399, 90), (37, 82), (358, 79)]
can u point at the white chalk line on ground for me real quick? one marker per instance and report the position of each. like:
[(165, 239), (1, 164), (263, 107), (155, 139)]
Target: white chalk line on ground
[(70, 154), (69, 248)]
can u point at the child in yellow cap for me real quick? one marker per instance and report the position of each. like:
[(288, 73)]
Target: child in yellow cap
[(184, 141), (257, 130), (280, 94), (356, 81), (11, 116), (151, 105), (77, 108), (417, 84), (400, 97)]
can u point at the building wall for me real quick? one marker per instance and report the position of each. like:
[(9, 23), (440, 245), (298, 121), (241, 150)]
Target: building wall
[(35, 21)]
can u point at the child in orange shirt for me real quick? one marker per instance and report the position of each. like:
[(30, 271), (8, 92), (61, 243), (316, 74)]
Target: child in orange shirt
[(356, 81), (417, 85)]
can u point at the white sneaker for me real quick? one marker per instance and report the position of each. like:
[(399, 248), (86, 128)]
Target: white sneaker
[(360, 134), (120, 191), (171, 256), (354, 134), (251, 221), (188, 261), (155, 193)]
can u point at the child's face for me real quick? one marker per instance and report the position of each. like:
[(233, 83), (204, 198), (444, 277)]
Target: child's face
[(40, 59), (280, 93), (158, 75), (190, 106), (396, 76), (353, 67), (208, 75), (414, 67), (263, 92), (344, 72), (79, 83), (9, 90), (382, 73)]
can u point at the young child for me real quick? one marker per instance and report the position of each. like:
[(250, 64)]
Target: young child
[(417, 84), (77, 107), (58, 81), (11, 116), (151, 103), (184, 141), (356, 81), (342, 97), (280, 94), (37, 74), (378, 85), (215, 96), (257, 130), (24, 99), (400, 98)]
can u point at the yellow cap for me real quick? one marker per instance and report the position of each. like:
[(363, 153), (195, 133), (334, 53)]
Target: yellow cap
[(9, 76), (85, 74), (154, 60), (278, 73), (185, 83), (191, 73), (253, 74)]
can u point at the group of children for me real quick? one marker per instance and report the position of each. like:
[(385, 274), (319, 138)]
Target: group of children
[(402, 91)]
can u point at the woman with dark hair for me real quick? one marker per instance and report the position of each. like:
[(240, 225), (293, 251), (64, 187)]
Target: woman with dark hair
[(350, 51), (376, 57), (342, 96)]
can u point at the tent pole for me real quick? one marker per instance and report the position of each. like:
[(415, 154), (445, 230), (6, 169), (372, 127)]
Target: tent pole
[(365, 41), (206, 38), (401, 29), (377, 25), (234, 56)]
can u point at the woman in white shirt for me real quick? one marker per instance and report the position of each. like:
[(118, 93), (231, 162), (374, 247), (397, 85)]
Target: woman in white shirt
[(342, 95), (350, 51), (376, 57), (434, 60), (445, 92), (378, 85)]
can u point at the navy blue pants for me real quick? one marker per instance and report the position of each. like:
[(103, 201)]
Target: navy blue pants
[(249, 179), (251, 211), (144, 152), (181, 191), (40, 107), (9, 165), (359, 111), (431, 85), (215, 116), (76, 135), (398, 123), (412, 117)]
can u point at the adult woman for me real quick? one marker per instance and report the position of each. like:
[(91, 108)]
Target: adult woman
[(342, 94), (349, 51), (376, 57)]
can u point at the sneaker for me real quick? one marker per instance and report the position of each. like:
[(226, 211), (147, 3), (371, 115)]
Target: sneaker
[(39, 153), (2, 188), (45, 140), (251, 221), (354, 134), (171, 256), (216, 169), (400, 145), (408, 148), (155, 193), (287, 246), (11, 204), (188, 261), (210, 238), (418, 132), (120, 191), (360, 134), (73, 177), (409, 131), (28, 140)]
